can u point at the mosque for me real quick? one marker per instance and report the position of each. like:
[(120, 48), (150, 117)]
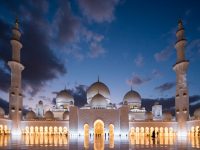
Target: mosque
[(99, 117)]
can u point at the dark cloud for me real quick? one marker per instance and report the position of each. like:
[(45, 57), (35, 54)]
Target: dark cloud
[(98, 10), (41, 64), (136, 80), (45, 32), (66, 25), (79, 94), (4, 56), (168, 104), (165, 87), (5, 105), (4, 81)]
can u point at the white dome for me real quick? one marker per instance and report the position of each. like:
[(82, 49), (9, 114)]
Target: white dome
[(30, 115), (197, 113), (49, 115), (132, 98), (63, 98), (66, 115), (98, 101), (98, 87), (167, 116), (2, 112)]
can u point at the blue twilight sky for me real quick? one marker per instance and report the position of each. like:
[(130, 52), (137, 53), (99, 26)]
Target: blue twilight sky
[(124, 42)]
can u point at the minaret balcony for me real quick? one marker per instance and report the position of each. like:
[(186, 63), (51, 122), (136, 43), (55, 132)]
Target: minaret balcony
[(180, 42), (177, 111), (181, 66), (181, 29)]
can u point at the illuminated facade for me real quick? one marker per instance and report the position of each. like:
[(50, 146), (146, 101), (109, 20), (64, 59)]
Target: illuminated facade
[(99, 117)]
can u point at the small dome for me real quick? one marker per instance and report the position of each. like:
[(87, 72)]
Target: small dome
[(49, 115), (197, 113), (148, 116), (167, 116), (30, 115), (2, 112), (98, 101), (132, 98), (66, 115), (98, 87), (63, 98)]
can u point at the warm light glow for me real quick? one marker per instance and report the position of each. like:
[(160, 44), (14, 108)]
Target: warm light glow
[(86, 130), (111, 130), (98, 127)]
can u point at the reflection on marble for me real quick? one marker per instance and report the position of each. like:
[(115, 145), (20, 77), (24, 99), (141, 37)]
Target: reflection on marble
[(97, 143)]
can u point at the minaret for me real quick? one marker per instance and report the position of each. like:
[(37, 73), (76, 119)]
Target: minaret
[(15, 93), (182, 98)]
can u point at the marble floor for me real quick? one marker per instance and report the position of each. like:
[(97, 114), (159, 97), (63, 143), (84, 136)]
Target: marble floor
[(98, 143)]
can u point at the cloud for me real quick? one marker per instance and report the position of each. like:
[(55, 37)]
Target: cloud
[(95, 43), (46, 35), (65, 24), (96, 50), (137, 80), (165, 87), (41, 64), (79, 94), (164, 54), (98, 10), (139, 60), (156, 73), (69, 33)]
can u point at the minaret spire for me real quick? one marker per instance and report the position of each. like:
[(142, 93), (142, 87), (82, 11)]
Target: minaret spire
[(181, 42), (181, 98), (16, 26), (15, 93)]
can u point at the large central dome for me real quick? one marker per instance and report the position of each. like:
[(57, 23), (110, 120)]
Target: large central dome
[(98, 88)]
